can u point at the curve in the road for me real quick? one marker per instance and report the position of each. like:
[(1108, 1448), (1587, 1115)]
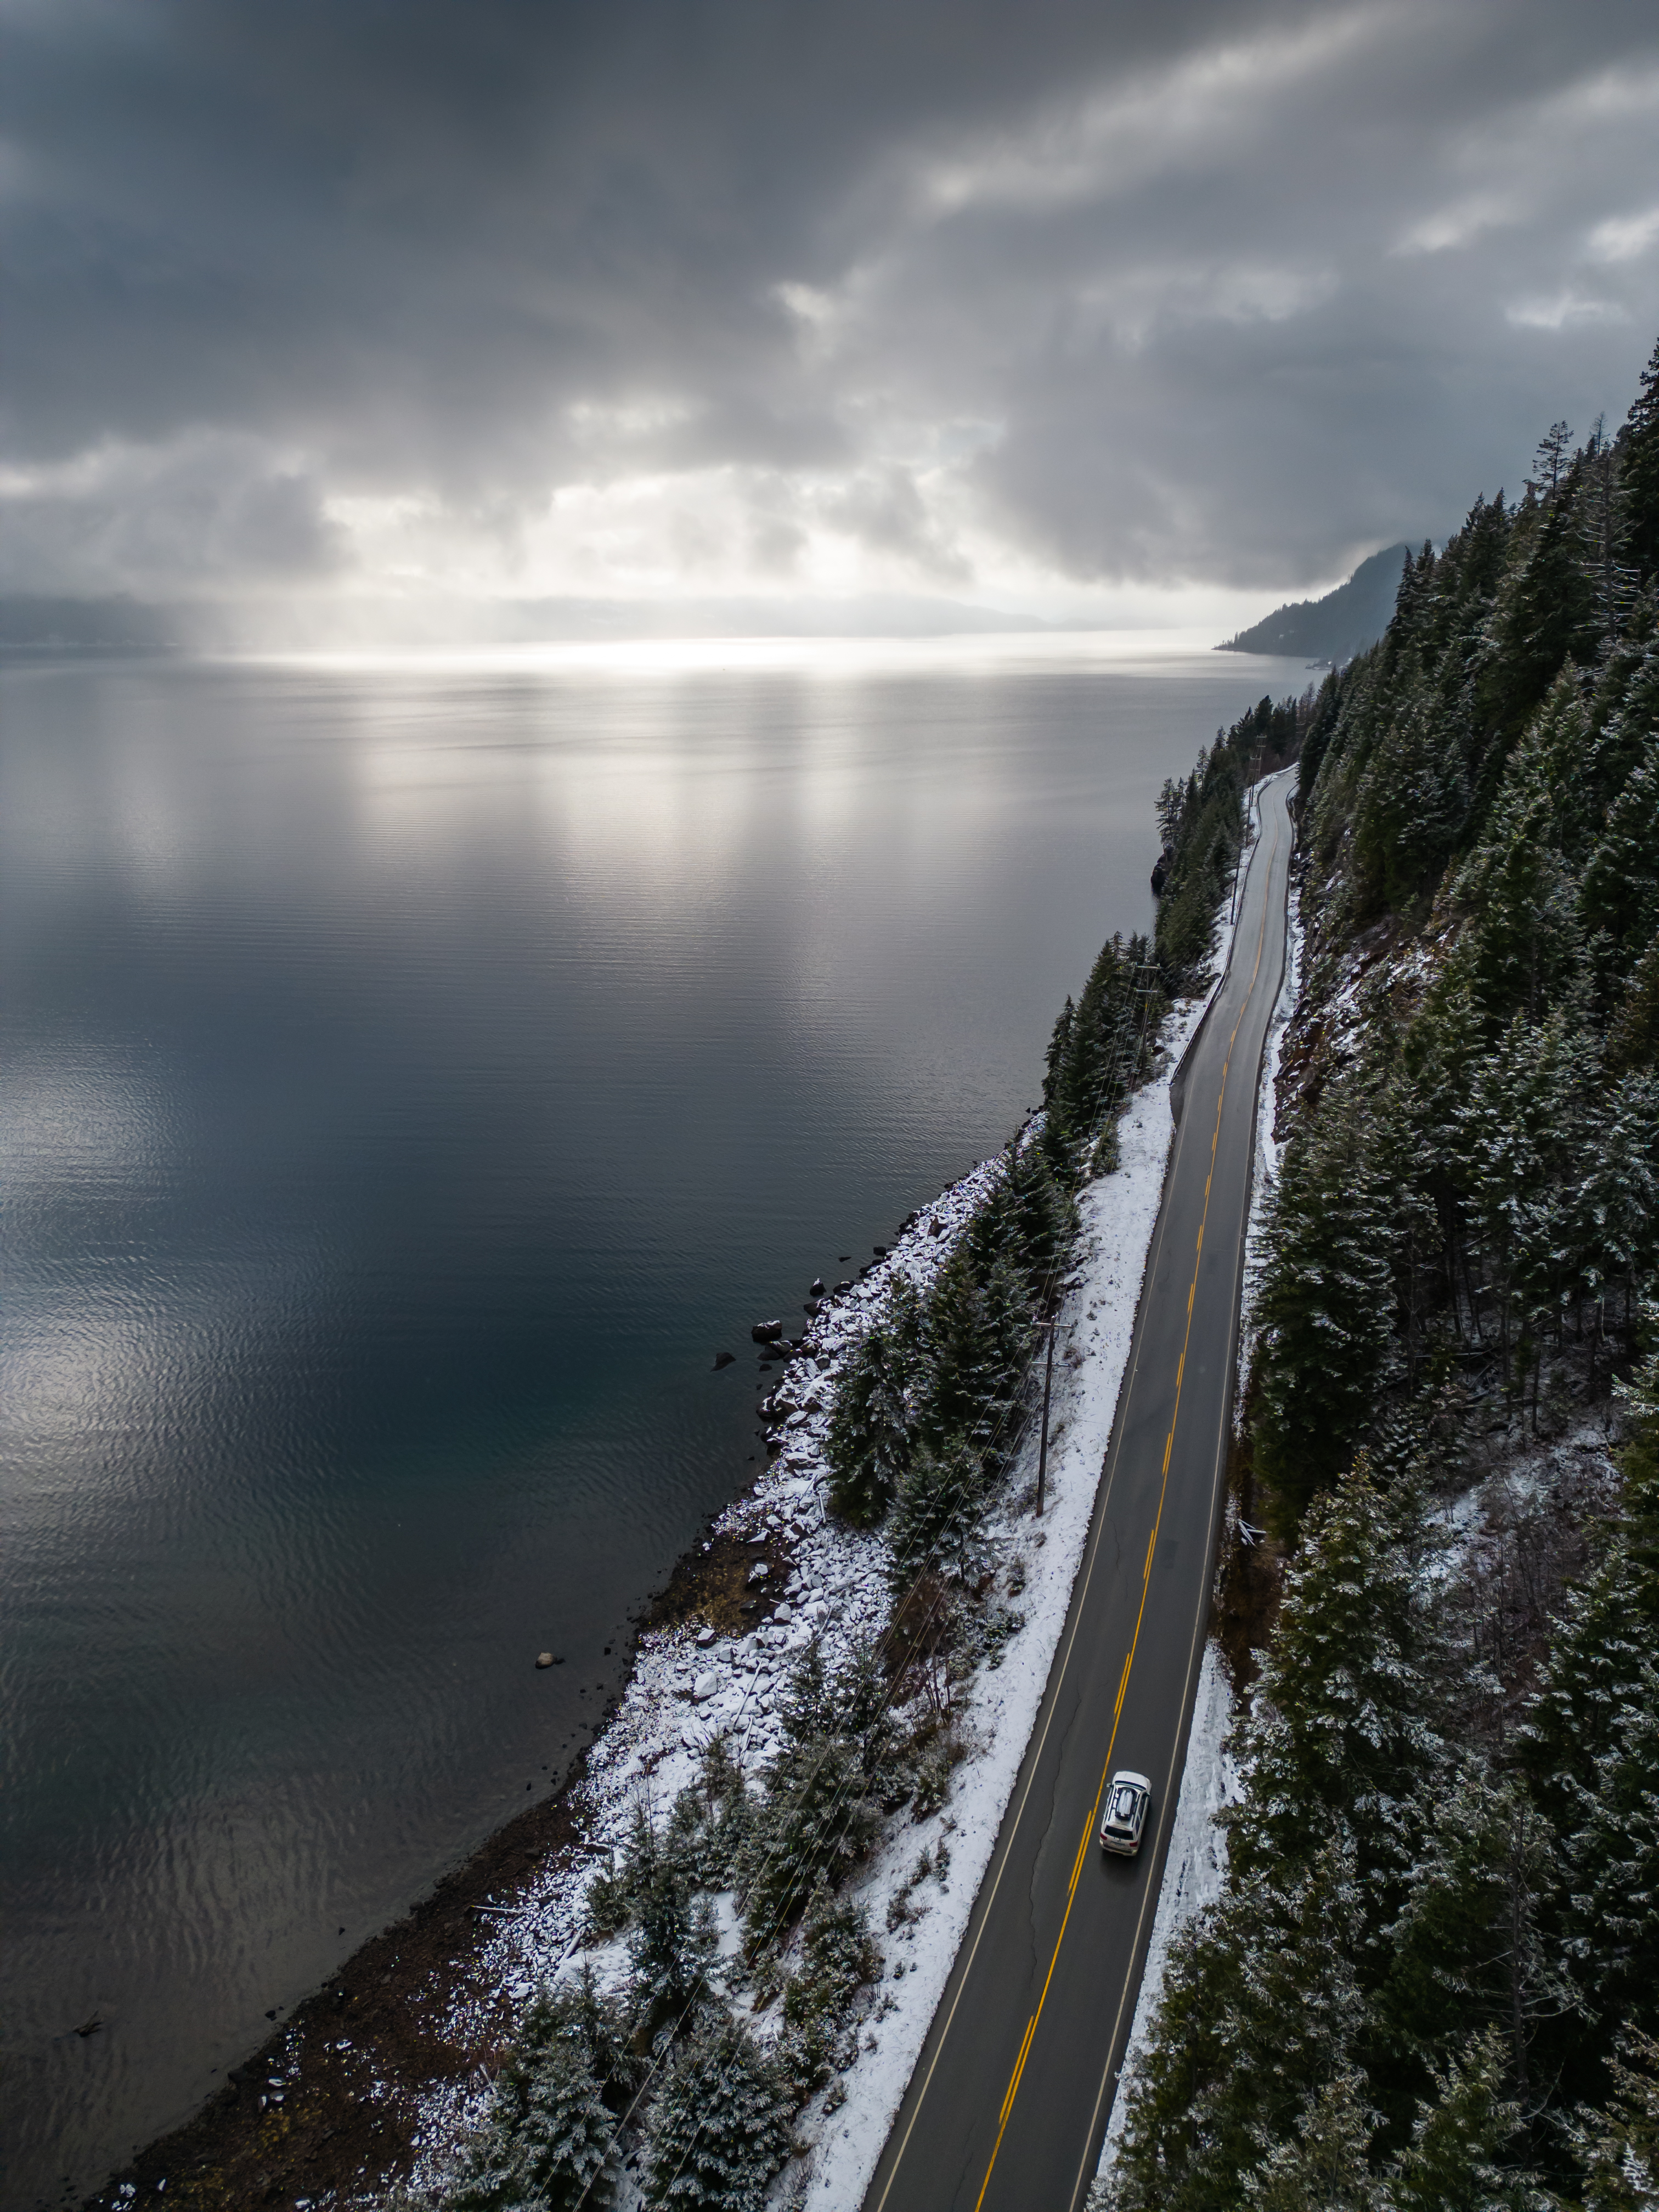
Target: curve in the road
[(1010, 2098)]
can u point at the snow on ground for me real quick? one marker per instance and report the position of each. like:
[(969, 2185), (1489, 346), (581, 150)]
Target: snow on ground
[(689, 1684)]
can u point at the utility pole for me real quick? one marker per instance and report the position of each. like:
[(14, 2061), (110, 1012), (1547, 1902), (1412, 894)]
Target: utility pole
[(1048, 1382)]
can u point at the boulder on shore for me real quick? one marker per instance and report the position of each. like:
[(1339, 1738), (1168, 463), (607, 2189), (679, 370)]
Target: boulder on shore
[(767, 1332)]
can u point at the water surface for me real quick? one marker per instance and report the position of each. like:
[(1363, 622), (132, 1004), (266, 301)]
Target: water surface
[(410, 1078)]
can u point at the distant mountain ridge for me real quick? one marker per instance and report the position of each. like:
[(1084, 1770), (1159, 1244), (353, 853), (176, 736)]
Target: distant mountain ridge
[(1334, 628)]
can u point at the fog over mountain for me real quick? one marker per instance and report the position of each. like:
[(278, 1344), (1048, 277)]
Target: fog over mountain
[(1107, 312)]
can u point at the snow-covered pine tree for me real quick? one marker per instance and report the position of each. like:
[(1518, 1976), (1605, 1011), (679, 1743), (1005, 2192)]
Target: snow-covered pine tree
[(1522, 1130), (1544, 614), (868, 1446), (1260, 2009), (1324, 2166), (1099, 1048), (1471, 1951), (1325, 1306), (820, 1810), (1412, 803), (960, 1332), (1060, 1044), (1522, 939), (1042, 1217), (1460, 2155), (1633, 1032), (718, 2130), (1614, 1228), (1587, 1732), (838, 1957), (1617, 2149), (1619, 893), (1639, 472), (1611, 1870), (545, 2143), (672, 1942), (937, 1513), (1343, 1729)]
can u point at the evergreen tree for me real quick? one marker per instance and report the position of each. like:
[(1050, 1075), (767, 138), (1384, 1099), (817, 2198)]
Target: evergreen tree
[(1260, 2010), (1544, 614), (1324, 1307), (1410, 804), (719, 2128), (868, 1446), (1526, 1105), (1100, 1047), (1619, 892), (1324, 2166), (1207, 842), (1042, 1217), (1618, 2149), (1470, 1956), (1587, 1732), (1517, 886), (1455, 2161), (672, 1940), (838, 1957), (1342, 1732), (1640, 472), (1613, 1233), (979, 1334), (1326, 718), (1633, 1032), (1624, 706), (545, 2143), (1550, 462), (1611, 1851), (821, 1810), (1060, 1045), (937, 1513), (1604, 527)]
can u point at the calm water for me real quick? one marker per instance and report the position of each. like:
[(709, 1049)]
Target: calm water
[(408, 1079)]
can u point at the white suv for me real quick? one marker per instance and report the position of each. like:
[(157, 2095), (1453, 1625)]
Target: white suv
[(1127, 1802)]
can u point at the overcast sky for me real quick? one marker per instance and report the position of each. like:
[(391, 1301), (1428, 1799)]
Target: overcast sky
[(1069, 309)]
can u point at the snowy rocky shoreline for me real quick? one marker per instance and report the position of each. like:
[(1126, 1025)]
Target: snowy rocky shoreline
[(819, 1582)]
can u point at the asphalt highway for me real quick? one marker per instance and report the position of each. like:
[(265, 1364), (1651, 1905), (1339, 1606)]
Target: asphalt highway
[(1009, 2101)]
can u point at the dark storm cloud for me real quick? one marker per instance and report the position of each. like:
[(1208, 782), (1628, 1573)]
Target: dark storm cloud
[(1193, 291)]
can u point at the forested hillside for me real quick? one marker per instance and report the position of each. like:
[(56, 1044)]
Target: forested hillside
[(1334, 628), (1432, 1979)]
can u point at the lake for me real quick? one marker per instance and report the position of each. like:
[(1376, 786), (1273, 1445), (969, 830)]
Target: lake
[(411, 1075)]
